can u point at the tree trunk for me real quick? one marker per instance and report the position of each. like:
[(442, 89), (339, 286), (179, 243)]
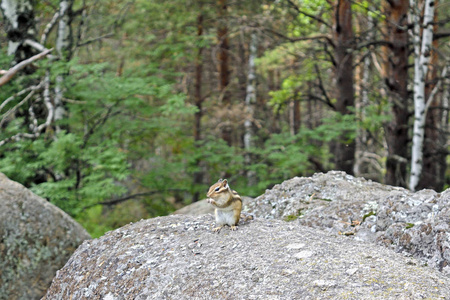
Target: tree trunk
[(434, 151), (64, 41), (361, 167), (396, 78), (64, 38), (223, 68), (344, 40), (20, 25), (198, 174), (250, 100), (421, 60), (294, 116)]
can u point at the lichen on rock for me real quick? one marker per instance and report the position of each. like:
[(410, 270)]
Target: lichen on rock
[(36, 239)]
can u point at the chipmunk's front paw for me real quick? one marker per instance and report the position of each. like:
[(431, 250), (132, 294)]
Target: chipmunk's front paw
[(233, 228), (211, 201), (217, 229)]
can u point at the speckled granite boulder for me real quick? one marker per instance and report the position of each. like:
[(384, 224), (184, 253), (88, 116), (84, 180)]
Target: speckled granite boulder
[(36, 239), (413, 223), (202, 207), (178, 257)]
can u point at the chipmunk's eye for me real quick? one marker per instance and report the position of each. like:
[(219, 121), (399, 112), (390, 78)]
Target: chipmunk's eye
[(217, 189)]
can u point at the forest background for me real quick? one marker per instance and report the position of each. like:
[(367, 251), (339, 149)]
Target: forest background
[(121, 110)]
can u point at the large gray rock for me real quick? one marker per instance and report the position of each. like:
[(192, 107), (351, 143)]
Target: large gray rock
[(36, 239), (202, 207), (413, 223), (178, 257)]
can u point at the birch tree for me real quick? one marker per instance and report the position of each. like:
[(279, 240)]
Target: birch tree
[(434, 147), (250, 100), (20, 26), (422, 51), (64, 43)]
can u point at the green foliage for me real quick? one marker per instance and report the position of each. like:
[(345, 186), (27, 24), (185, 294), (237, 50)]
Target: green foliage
[(128, 127), (289, 91)]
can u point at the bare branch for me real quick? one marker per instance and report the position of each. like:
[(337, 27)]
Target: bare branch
[(322, 88), (11, 72), (307, 14), (74, 101), (36, 129), (373, 43), (119, 200), (304, 38), (87, 42), (48, 104), (12, 110), (49, 28), (435, 89), (34, 121), (38, 47), (17, 137), (34, 87), (441, 35)]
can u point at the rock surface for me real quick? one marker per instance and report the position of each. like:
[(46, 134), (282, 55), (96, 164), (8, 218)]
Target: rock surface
[(202, 207), (36, 239), (178, 257), (413, 223)]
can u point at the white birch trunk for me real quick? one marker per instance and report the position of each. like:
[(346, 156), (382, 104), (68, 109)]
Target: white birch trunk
[(24, 29), (421, 60), (446, 100), (64, 50), (64, 36), (250, 100)]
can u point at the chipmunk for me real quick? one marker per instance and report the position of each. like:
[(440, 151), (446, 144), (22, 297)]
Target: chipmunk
[(228, 204)]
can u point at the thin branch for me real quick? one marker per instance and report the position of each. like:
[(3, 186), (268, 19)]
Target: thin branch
[(35, 45), (17, 137), (119, 200), (34, 121), (11, 72), (298, 39), (12, 110), (74, 101), (49, 28), (440, 35), (48, 104), (99, 123), (34, 87), (435, 89), (308, 15), (321, 87), (94, 39), (373, 43)]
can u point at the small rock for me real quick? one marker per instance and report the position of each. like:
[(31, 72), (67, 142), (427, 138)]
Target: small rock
[(295, 246), (351, 272), (304, 254)]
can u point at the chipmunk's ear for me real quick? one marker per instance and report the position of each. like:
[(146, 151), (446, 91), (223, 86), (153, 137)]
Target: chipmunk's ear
[(220, 180), (225, 183)]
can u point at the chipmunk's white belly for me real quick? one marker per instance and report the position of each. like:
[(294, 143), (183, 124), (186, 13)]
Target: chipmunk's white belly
[(225, 216)]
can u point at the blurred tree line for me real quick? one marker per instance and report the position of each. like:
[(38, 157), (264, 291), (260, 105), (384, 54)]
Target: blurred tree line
[(121, 110)]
